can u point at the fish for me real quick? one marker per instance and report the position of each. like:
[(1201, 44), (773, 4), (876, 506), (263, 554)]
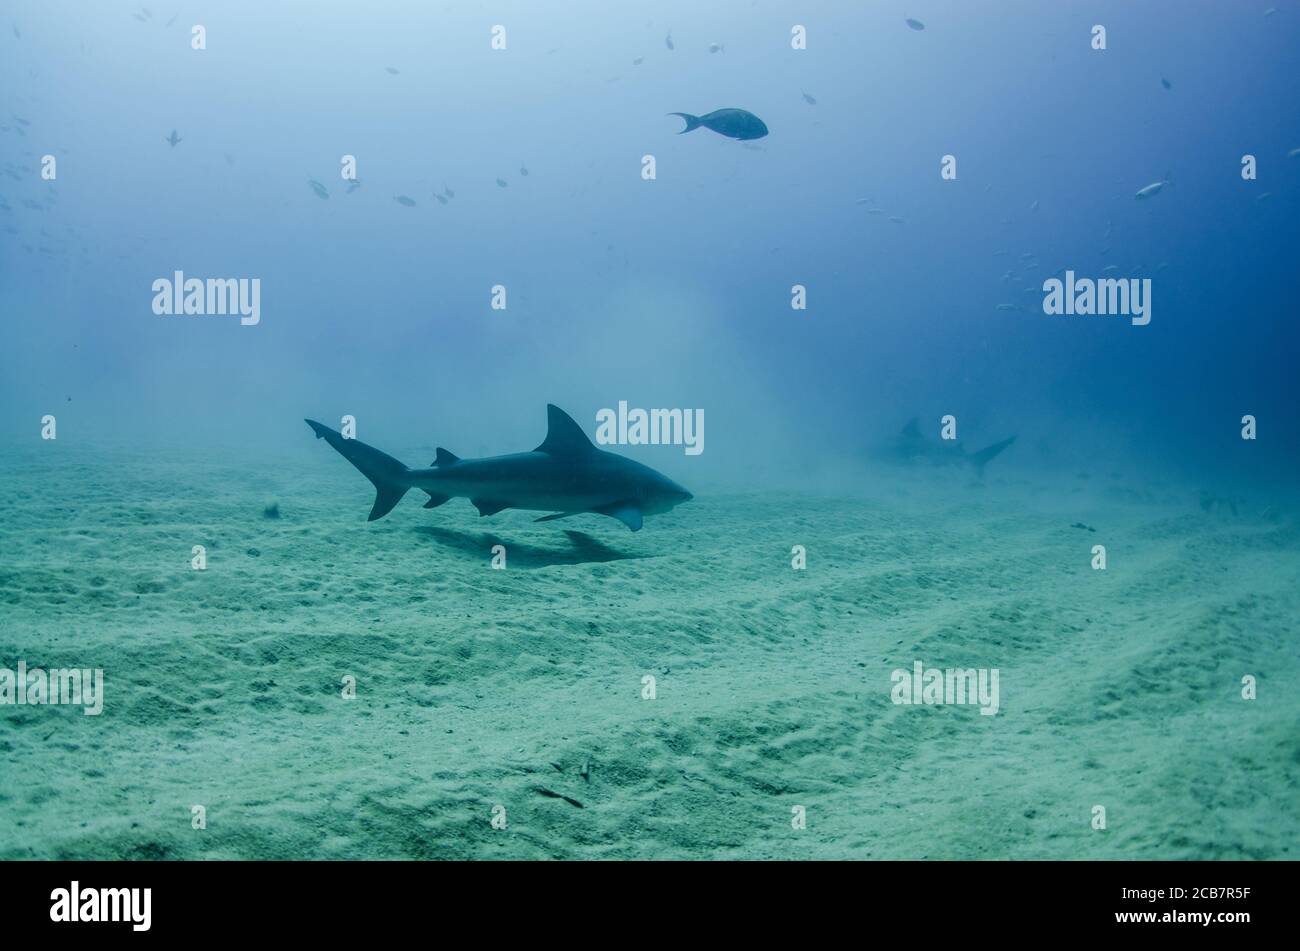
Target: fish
[(914, 24), (523, 171), (404, 200), (353, 185), (390, 69), (318, 188), (1034, 205), (668, 41), (173, 139), (808, 99), (447, 191), (1148, 191), (1166, 83), (717, 48), (896, 220), (1294, 153), (733, 123), (638, 61), (566, 475), (911, 448), (502, 183), (441, 200)]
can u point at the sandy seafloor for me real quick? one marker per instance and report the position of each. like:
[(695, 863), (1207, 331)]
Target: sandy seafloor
[(1119, 688)]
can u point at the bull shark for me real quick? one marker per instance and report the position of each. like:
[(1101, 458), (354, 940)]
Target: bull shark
[(566, 475), (912, 447)]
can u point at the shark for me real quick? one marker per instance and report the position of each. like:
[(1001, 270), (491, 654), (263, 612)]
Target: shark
[(566, 475), (911, 447)]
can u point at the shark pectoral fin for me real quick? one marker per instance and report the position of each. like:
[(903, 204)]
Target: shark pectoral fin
[(625, 512), (435, 500), (489, 506), (553, 517)]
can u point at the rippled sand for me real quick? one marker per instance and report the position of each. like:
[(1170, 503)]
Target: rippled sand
[(518, 688)]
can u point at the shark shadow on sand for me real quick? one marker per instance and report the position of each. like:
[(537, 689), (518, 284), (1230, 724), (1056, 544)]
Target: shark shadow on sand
[(585, 550)]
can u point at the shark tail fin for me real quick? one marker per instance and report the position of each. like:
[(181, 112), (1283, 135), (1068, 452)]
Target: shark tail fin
[(692, 122), (982, 458), (390, 477)]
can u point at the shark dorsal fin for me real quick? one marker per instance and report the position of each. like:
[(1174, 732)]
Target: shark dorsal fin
[(564, 437), (445, 458)]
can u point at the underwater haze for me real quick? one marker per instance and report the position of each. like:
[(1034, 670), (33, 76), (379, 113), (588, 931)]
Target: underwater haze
[(963, 356)]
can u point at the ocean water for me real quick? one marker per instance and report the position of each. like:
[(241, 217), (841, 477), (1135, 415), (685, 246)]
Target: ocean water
[(456, 214)]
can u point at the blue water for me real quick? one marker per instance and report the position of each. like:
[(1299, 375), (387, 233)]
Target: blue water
[(673, 292)]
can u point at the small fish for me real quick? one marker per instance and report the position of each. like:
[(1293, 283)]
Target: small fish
[(1105, 250), (1137, 269), (668, 41), (914, 24), (390, 69), (896, 220), (17, 35), (1294, 153), (1166, 83), (1086, 528), (230, 159), (523, 171), (318, 188), (875, 211), (21, 121), (638, 61), (1268, 13), (809, 99), (1000, 253), (1109, 268), (1264, 196), (173, 138), (404, 200), (354, 185), (502, 183), (862, 201), (1034, 206), (447, 191), (733, 123), (1149, 190), (441, 199), (1162, 266)]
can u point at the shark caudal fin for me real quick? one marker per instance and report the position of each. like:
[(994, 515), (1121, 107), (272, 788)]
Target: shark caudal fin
[(982, 458), (692, 122), (390, 477)]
